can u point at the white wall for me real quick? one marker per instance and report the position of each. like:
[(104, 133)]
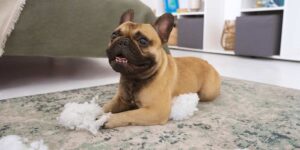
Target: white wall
[(150, 3), (183, 3), (232, 9), (156, 5)]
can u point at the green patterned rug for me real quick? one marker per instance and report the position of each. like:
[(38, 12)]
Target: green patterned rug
[(246, 115)]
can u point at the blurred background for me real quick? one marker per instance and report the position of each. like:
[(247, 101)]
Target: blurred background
[(254, 40)]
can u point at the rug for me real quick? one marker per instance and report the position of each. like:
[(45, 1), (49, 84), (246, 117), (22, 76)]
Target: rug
[(246, 115)]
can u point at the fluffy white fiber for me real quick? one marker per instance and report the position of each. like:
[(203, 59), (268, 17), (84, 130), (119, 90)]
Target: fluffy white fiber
[(83, 116), (184, 106), (14, 142)]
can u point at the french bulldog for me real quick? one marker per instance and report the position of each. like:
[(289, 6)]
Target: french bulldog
[(150, 77)]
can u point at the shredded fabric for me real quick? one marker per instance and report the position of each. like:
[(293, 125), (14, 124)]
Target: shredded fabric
[(15, 142), (84, 116)]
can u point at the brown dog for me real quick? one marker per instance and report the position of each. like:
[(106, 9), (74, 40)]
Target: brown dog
[(150, 77)]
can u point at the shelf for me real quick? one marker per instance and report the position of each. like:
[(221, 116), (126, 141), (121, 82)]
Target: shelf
[(201, 50), (247, 10), (284, 58), (184, 48), (200, 13)]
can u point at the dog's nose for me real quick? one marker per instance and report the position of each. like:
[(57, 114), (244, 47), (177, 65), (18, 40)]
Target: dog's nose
[(124, 42)]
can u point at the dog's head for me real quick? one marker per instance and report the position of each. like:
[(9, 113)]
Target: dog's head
[(135, 50)]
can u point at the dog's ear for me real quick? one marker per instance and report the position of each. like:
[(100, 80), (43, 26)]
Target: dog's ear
[(164, 25), (127, 16)]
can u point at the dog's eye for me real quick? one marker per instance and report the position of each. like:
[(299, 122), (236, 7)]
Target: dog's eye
[(143, 42), (114, 35)]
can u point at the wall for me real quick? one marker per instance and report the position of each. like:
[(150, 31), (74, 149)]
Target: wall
[(156, 5)]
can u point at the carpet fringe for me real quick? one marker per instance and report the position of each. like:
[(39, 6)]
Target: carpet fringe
[(11, 24)]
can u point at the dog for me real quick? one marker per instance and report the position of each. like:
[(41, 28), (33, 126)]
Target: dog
[(150, 77)]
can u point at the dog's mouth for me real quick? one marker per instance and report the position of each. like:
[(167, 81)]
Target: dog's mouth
[(126, 62), (131, 65), (121, 60)]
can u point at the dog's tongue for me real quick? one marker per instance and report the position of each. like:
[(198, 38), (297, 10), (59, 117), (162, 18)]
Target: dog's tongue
[(121, 60)]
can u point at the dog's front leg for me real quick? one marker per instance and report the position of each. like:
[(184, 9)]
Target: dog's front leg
[(141, 116), (115, 105)]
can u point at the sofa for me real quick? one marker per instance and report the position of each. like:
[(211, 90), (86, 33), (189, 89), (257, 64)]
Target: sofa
[(69, 28)]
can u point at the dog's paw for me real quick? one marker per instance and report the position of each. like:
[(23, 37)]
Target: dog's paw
[(106, 125), (110, 123), (115, 120)]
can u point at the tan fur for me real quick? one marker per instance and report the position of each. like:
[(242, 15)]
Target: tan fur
[(174, 76)]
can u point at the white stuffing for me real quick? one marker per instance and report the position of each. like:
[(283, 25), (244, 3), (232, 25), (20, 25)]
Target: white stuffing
[(14, 142), (83, 116), (184, 106)]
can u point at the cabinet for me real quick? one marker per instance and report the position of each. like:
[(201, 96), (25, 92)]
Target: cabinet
[(215, 13)]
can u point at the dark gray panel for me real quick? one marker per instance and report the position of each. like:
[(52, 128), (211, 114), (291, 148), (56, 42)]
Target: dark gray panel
[(190, 32), (258, 35)]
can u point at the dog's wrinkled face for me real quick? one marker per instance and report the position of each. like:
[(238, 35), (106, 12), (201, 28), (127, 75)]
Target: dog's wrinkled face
[(135, 49), (130, 49)]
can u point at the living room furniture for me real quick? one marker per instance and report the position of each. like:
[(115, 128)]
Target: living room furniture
[(215, 12)]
